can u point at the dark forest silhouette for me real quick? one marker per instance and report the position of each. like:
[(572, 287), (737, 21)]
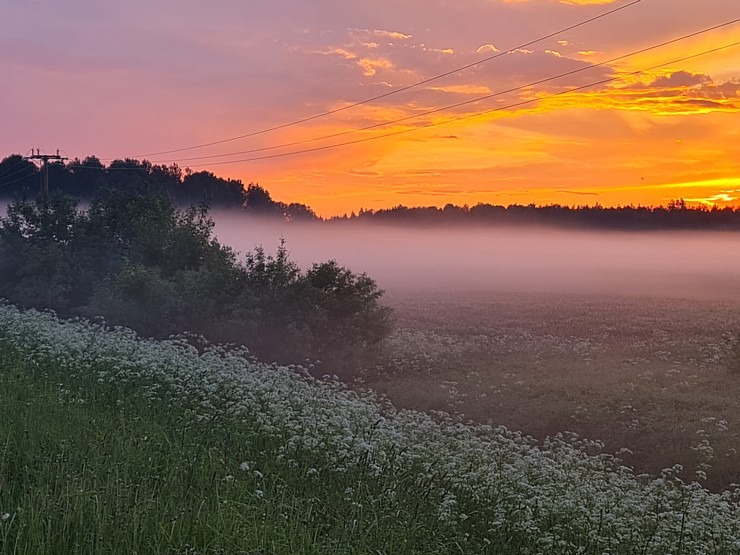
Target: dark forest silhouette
[(83, 179)]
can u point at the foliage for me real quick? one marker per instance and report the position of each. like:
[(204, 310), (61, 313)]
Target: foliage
[(327, 311), (676, 215), (259, 202), (87, 178), (136, 260), (117, 444), (38, 243)]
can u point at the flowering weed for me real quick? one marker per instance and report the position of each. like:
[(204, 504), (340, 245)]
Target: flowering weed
[(111, 443)]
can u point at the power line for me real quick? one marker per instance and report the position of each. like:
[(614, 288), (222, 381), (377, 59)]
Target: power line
[(459, 104), (11, 174), (18, 162), (476, 114), (107, 169), (19, 179), (396, 91)]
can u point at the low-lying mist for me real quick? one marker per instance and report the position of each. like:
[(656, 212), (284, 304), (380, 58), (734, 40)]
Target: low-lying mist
[(536, 259)]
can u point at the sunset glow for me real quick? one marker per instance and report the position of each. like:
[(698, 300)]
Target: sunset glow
[(126, 79)]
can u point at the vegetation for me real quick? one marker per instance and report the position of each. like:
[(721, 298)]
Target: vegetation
[(136, 260), (676, 215), (84, 179), (647, 376), (116, 444)]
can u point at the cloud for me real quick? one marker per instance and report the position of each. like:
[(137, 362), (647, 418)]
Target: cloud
[(211, 74), (477, 90), (571, 2), (681, 92), (380, 34), (680, 79), (371, 66), (391, 34), (723, 197), (587, 2), (336, 51), (486, 48), (582, 193)]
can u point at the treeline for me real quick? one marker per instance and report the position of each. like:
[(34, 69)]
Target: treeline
[(136, 260), (84, 179), (676, 215)]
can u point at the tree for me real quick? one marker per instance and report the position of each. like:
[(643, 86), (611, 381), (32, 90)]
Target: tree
[(133, 258), (295, 212), (259, 202), (37, 240), (326, 313), (215, 191), (352, 317), (87, 177), (18, 176)]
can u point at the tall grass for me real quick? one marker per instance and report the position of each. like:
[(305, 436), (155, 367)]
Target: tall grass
[(113, 444)]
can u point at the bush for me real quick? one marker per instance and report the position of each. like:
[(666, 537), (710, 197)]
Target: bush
[(136, 260), (326, 313)]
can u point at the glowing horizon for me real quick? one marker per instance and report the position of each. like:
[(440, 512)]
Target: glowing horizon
[(123, 79)]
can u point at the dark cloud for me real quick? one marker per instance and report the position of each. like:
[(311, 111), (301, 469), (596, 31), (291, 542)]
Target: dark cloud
[(680, 90), (680, 79), (581, 193)]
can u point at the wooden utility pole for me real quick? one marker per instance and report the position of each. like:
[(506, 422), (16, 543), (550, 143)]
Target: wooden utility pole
[(45, 167)]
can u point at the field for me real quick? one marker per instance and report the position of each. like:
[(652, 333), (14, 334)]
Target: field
[(651, 377), (113, 444)]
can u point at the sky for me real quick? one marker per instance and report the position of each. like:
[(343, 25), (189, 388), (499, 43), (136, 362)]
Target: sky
[(136, 78)]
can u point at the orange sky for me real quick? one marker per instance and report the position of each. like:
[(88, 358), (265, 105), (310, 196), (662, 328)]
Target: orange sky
[(129, 78)]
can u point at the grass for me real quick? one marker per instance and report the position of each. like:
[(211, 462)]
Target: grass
[(87, 468), (112, 444), (96, 466), (91, 467)]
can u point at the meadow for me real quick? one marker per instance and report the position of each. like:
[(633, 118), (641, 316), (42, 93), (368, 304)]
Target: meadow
[(655, 378), (114, 444)]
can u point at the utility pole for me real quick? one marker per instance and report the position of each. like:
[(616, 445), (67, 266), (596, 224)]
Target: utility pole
[(45, 167)]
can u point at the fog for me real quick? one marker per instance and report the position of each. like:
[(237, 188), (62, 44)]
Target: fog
[(537, 259), (492, 259)]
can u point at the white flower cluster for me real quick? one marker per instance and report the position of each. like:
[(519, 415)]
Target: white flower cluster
[(561, 498)]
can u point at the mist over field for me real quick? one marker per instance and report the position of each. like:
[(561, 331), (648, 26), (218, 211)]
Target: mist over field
[(536, 259)]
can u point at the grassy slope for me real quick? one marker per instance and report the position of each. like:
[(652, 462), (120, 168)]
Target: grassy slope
[(93, 468), (114, 445)]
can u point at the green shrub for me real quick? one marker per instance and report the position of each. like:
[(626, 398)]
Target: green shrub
[(133, 258)]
